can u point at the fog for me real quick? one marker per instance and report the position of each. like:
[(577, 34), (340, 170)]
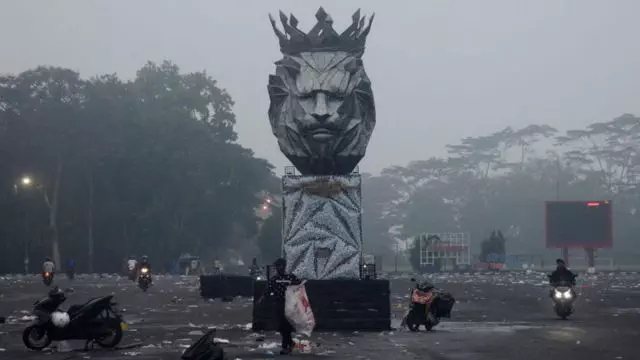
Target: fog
[(441, 70)]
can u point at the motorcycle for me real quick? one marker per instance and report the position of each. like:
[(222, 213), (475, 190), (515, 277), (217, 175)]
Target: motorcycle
[(257, 274), (96, 321), (47, 278), (563, 296), (427, 306), (144, 280), (71, 274)]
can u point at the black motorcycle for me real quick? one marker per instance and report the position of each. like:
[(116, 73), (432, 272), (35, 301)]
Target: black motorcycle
[(144, 279), (47, 278), (563, 296), (428, 305), (96, 321), (71, 274)]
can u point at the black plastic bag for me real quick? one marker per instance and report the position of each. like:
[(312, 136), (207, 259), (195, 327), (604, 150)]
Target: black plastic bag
[(204, 349)]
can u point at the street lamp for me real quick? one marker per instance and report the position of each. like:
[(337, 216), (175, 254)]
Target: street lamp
[(26, 181)]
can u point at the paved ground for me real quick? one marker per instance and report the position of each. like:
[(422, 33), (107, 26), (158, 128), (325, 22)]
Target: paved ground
[(497, 317)]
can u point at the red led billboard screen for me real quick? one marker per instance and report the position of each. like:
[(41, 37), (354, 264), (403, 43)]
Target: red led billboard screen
[(584, 224)]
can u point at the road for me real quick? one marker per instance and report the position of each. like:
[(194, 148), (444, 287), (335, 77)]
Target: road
[(498, 317)]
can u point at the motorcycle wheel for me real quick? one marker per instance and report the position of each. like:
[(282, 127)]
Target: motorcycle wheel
[(114, 337), (412, 325), (562, 312), (40, 332)]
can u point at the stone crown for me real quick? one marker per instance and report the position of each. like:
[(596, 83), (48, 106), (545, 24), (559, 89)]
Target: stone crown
[(322, 37)]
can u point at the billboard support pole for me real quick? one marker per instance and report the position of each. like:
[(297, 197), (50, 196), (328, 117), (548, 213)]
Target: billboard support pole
[(565, 251), (591, 259)]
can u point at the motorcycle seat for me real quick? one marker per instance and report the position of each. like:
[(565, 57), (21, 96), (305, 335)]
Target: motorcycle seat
[(74, 309)]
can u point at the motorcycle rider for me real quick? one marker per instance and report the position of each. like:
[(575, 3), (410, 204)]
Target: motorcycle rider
[(144, 262), (48, 266), (562, 273), (276, 289)]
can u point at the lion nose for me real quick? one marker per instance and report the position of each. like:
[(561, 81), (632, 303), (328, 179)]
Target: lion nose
[(320, 111), (321, 118)]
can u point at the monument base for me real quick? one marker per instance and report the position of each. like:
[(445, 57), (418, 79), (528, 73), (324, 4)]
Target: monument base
[(322, 226), (224, 286), (338, 305)]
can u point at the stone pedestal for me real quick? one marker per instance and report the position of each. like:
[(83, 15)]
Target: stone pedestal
[(322, 226)]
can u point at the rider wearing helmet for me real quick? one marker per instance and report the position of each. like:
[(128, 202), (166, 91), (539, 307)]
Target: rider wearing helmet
[(144, 261), (562, 274)]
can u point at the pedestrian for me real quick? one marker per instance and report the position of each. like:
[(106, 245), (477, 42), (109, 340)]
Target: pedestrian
[(276, 290)]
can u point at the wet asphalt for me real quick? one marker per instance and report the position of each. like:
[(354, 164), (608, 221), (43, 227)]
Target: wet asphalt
[(497, 316)]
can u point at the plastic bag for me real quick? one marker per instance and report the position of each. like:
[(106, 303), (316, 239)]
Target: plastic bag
[(297, 309)]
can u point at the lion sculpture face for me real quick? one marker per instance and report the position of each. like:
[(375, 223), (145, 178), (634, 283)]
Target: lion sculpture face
[(322, 111)]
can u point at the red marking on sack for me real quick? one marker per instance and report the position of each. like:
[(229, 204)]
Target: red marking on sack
[(305, 301)]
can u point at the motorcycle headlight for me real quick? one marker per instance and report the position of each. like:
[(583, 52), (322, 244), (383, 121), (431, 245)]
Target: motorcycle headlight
[(563, 295), (260, 278), (144, 270)]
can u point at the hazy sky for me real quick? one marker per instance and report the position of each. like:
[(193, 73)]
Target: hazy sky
[(441, 70)]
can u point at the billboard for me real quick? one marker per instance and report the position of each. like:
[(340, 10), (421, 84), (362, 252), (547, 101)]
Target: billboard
[(583, 224)]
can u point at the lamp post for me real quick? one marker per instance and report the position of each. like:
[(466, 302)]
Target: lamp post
[(26, 183)]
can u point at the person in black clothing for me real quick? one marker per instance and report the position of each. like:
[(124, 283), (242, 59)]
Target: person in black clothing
[(561, 273), (276, 290)]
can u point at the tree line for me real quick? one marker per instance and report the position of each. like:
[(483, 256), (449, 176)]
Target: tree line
[(97, 169), (152, 166), (501, 180)]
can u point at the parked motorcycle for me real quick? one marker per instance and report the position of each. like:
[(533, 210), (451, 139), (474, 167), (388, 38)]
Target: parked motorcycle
[(95, 321), (427, 306), (563, 296), (144, 279), (47, 278)]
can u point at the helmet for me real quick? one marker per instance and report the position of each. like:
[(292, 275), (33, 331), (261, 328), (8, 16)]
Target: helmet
[(47, 259), (60, 319), (145, 258)]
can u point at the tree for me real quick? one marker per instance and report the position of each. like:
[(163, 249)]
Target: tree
[(128, 167), (44, 104)]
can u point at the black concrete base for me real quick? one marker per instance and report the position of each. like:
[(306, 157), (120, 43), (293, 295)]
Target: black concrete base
[(338, 305), (223, 286)]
